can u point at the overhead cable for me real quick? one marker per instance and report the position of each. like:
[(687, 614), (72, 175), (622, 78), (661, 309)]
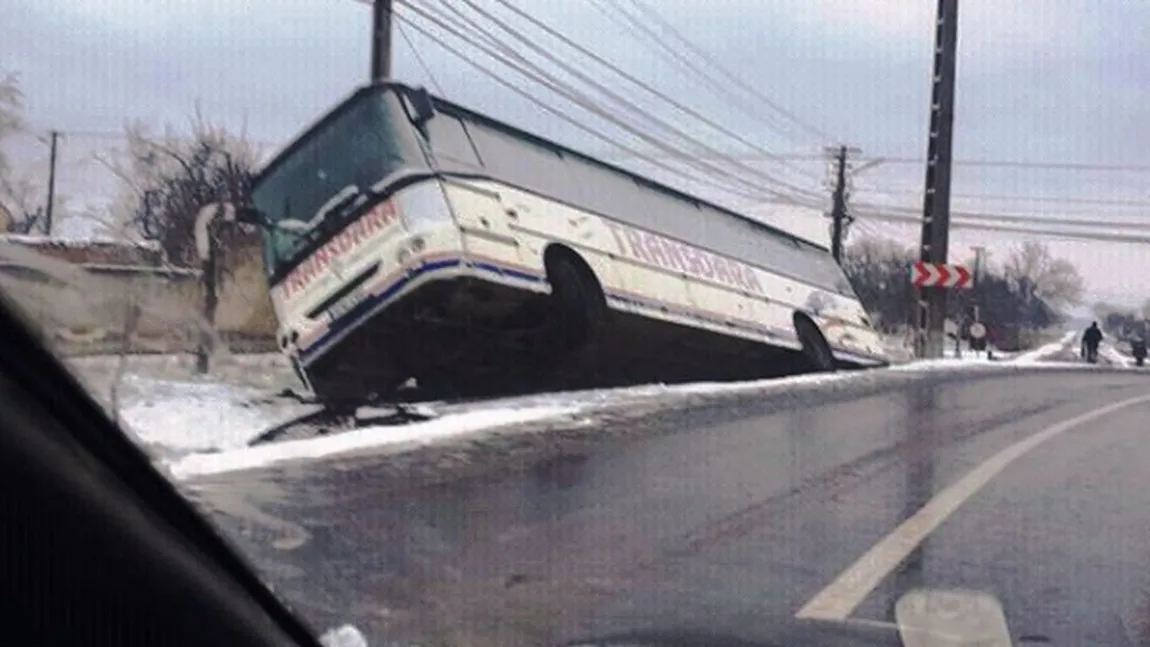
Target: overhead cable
[(1117, 202), (574, 71), (555, 111), (733, 78), (707, 77), (467, 32), (419, 58), (1096, 236), (541, 77), (1016, 218)]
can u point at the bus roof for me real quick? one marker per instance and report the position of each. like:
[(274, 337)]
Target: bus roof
[(454, 109)]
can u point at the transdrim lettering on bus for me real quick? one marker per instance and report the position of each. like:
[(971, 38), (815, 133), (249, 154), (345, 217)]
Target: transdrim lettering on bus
[(351, 238), (673, 255)]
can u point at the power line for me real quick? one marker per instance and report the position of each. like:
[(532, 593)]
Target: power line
[(706, 77), (978, 226), (990, 163), (550, 82), (733, 78), (419, 59), (122, 136), (544, 105), (1022, 198), (1025, 219), (629, 77)]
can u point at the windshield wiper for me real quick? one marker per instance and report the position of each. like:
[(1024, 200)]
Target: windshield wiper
[(331, 214), (327, 218), (347, 196)]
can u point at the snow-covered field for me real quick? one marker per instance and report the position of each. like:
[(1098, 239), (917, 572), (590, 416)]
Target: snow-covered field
[(203, 424)]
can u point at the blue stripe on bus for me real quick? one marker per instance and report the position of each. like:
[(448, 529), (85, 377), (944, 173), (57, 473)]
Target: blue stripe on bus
[(525, 276), (360, 311), (368, 305)]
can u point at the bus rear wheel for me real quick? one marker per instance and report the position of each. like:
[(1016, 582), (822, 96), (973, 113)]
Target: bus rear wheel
[(577, 302), (815, 347)]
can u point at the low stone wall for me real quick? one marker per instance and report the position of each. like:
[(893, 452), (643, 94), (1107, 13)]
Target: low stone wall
[(99, 309)]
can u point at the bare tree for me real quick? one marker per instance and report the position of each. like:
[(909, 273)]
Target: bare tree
[(168, 178), (1055, 280), (878, 269), (11, 112), (17, 194)]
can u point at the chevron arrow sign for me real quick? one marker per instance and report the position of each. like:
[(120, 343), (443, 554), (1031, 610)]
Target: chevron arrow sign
[(939, 275)]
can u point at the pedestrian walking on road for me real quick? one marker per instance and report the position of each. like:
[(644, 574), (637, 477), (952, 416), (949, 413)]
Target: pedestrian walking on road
[(1091, 339)]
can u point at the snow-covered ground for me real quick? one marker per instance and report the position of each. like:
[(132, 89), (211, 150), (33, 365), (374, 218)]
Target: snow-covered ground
[(199, 416), (203, 424), (1049, 351), (198, 429), (1116, 357), (391, 439)]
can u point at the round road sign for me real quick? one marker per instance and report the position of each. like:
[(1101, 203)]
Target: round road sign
[(977, 330)]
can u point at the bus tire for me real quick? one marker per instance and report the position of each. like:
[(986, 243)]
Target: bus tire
[(816, 349), (577, 301)]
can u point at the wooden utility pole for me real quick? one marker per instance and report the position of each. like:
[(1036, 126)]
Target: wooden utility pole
[(381, 40), (936, 204), (840, 216), (51, 184)]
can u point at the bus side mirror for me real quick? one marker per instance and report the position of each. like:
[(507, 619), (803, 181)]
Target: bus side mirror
[(422, 107)]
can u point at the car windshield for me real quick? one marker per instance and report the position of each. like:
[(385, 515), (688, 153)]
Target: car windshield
[(352, 151), (554, 383)]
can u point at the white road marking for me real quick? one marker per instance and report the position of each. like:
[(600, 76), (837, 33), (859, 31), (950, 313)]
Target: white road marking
[(842, 596)]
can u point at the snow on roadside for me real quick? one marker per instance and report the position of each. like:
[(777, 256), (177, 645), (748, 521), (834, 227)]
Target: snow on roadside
[(465, 419), (374, 438), (1042, 353), (204, 427), (1114, 356), (637, 394), (947, 363), (182, 416)]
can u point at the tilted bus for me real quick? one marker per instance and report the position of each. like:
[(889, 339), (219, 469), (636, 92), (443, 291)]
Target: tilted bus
[(409, 240)]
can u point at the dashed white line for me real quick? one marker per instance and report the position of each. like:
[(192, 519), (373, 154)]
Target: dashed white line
[(843, 595)]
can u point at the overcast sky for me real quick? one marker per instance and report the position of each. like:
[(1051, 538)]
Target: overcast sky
[(1039, 80)]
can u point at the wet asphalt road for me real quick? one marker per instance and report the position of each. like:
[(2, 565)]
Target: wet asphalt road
[(732, 519)]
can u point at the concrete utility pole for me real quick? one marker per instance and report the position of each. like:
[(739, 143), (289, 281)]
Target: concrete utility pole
[(936, 204), (51, 184), (840, 216), (381, 40)]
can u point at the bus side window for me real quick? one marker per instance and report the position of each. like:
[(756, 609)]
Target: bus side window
[(450, 142)]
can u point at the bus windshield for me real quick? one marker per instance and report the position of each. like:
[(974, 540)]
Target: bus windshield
[(348, 153)]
